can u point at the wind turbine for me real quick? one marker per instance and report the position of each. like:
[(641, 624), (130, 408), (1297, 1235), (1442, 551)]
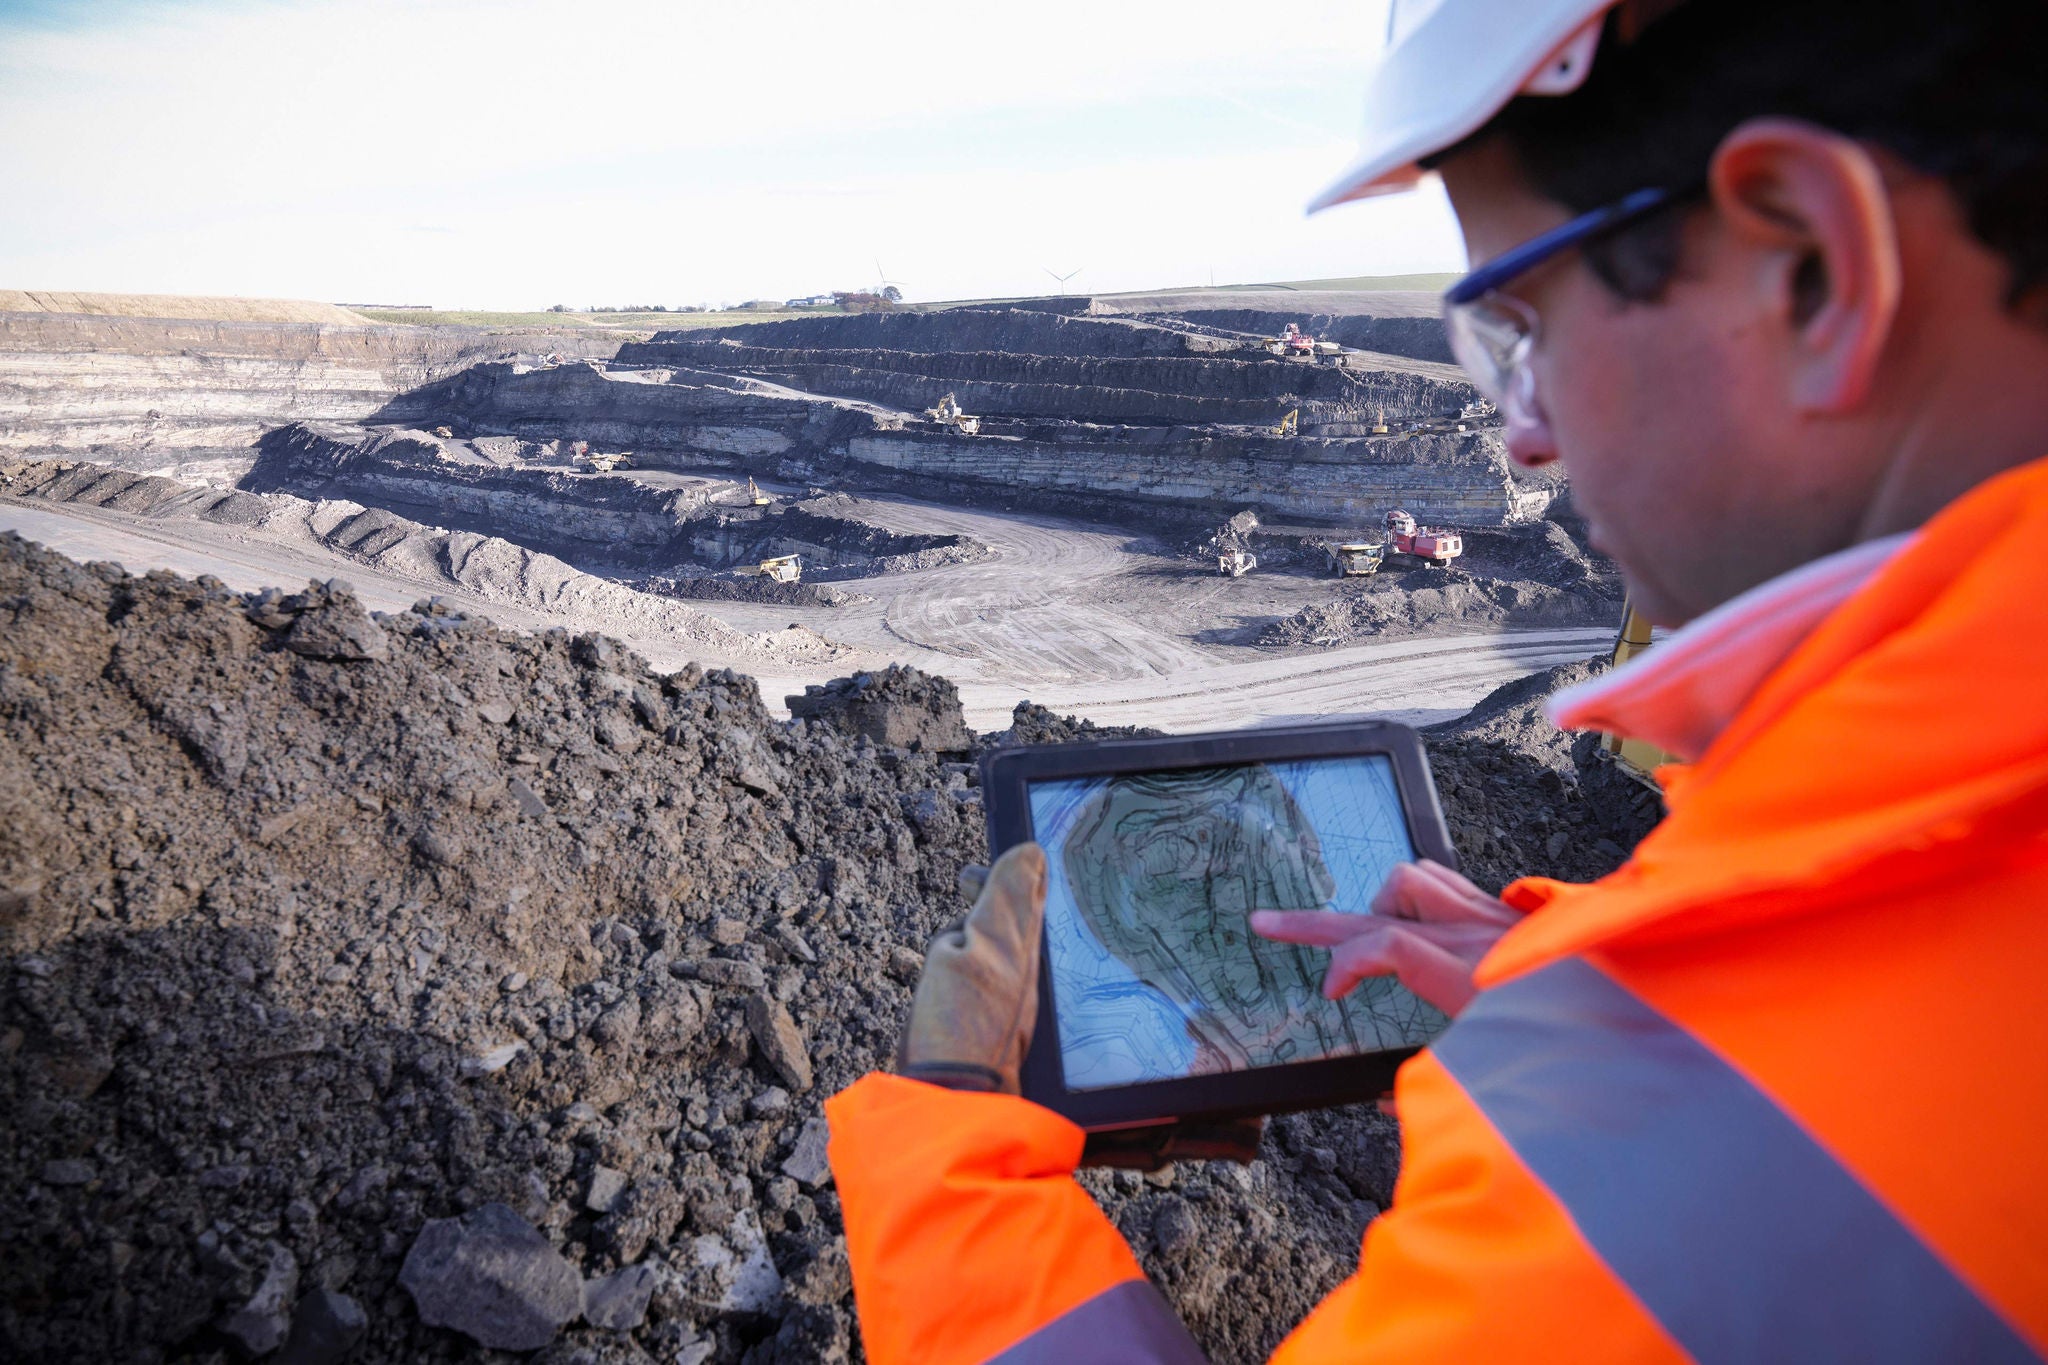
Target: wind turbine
[(882, 280), (1062, 278)]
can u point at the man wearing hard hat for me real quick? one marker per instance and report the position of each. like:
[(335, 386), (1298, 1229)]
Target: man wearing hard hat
[(1770, 279)]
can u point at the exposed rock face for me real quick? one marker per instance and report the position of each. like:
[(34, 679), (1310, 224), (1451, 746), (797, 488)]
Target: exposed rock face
[(1168, 410), (1151, 390), (141, 391), (1421, 338), (605, 521)]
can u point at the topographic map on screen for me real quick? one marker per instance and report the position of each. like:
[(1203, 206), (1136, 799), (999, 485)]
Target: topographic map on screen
[(1156, 973)]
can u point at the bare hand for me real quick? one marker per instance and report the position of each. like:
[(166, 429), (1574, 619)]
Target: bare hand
[(1428, 926)]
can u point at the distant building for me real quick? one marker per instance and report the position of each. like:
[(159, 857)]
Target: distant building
[(811, 301)]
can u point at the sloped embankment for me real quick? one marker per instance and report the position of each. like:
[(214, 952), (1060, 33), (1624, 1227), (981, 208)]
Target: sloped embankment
[(380, 988), (467, 562), (607, 522), (149, 393)]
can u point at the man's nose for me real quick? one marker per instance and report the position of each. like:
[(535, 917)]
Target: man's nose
[(1524, 425), (1529, 443)]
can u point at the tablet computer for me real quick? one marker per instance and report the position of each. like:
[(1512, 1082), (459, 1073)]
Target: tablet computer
[(1156, 1002)]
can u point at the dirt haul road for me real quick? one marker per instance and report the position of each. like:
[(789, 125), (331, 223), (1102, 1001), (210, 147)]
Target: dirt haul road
[(1065, 614), (1062, 613)]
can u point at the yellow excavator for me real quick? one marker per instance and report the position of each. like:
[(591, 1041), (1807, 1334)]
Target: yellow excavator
[(1290, 425), (1638, 758), (948, 413), (755, 497)]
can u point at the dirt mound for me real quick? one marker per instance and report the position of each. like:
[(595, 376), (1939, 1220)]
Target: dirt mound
[(899, 707), (370, 973), (726, 589), (1526, 799), (1389, 605)]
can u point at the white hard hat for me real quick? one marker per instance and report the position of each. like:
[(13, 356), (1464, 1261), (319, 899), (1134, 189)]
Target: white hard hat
[(1451, 65)]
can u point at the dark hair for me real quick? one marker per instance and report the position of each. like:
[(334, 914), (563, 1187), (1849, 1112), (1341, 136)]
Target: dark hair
[(1955, 88)]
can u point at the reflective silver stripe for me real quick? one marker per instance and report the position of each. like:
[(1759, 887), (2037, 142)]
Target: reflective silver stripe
[(1738, 1232), (1128, 1324)]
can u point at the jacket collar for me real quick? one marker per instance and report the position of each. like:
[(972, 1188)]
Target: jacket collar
[(1902, 737), (1683, 693)]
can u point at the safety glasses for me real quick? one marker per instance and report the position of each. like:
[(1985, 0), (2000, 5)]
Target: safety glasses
[(1493, 333)]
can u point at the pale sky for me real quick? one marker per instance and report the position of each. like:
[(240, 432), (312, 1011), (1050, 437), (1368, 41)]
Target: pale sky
[(488, 154)]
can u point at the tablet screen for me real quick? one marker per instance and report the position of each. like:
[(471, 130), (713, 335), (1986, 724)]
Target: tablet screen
[(1151, 877)]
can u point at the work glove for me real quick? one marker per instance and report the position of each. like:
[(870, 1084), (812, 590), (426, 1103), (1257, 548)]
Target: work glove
[(1013, 894), (971, 1019)]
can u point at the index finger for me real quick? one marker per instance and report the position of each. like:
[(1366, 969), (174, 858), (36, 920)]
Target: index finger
[(1320, 928)]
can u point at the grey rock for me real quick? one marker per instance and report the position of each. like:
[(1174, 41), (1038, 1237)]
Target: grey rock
[(258, 1327), (1173, 1228), (438, 846), (614, 731), (743, 976), (794, 943), (782, 1046), (339, 630), (616, 1026), (326, 1326), (730, 1272), (905, 965), (695, 1351), (806, 1163), (606, 1185), (619, 1300), (69, 1170), (492, 1277), (495, 711), (528, 800), (769, 1103)]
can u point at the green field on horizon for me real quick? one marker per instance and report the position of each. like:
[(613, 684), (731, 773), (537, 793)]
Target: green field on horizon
[(609, 322)]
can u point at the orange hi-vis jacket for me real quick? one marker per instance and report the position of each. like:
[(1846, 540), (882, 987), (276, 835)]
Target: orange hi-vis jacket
[(1774, 1090)]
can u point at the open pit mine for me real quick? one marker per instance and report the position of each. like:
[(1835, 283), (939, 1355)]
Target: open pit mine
[(468, 795), (1024, 498)]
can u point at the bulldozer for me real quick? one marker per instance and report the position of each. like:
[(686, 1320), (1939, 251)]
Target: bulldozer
[(948, 413), (1431, 543), (755, 497), (1236, 563), (1357, 558)]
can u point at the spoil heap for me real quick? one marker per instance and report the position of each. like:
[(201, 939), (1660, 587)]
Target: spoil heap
[(380, 987)]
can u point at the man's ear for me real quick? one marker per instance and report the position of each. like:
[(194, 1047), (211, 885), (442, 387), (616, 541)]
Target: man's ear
[(1812, 205)]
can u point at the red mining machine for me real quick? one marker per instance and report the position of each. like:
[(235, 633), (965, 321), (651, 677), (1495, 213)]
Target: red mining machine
[(1431, 543), (1293, 343)]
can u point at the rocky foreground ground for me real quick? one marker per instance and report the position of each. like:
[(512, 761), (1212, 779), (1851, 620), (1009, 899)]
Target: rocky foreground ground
[(405, 989)]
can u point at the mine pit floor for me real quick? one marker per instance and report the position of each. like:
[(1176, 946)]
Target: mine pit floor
[(1086, 618)]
